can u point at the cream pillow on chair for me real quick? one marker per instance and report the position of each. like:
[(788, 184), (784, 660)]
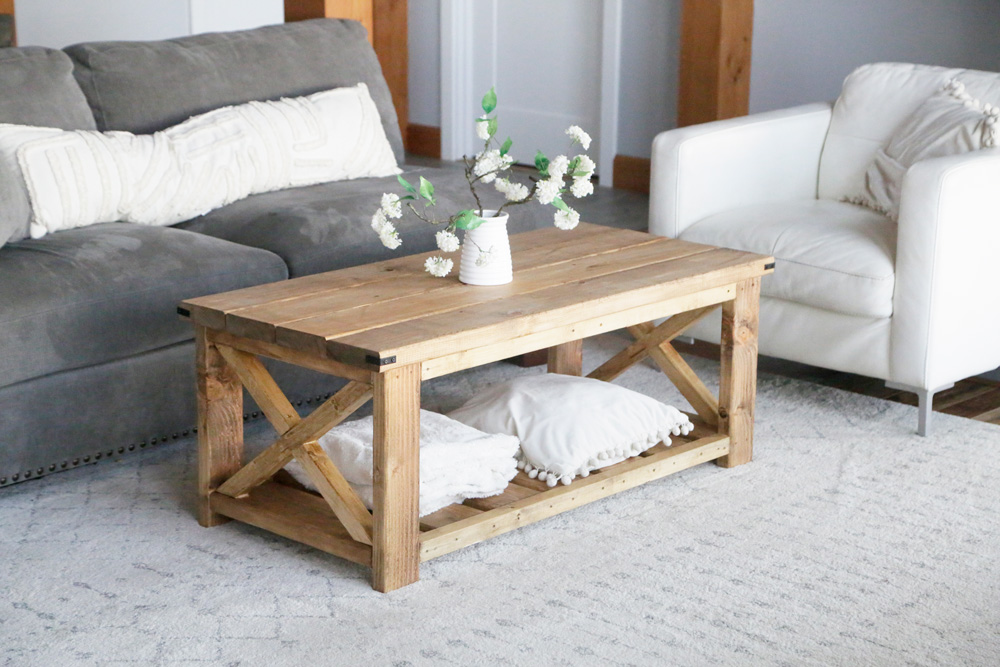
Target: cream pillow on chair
[(569, 426), (948, 123)]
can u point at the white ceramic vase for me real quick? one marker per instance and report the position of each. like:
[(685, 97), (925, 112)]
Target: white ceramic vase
[(487, 241)]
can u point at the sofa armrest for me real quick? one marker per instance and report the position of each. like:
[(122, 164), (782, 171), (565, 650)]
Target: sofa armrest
[(946, 316), (705, 169)]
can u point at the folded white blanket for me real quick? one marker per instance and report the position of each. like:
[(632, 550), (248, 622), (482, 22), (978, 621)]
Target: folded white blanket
[(456, 461)]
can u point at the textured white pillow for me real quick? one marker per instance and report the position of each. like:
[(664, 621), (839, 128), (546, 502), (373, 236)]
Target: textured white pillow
[(950, 122), (82, 178), (569, 425)]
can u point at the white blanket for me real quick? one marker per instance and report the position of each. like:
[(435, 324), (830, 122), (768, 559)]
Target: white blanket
[(456, 461)]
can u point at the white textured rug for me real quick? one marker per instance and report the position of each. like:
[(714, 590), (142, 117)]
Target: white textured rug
[(847, 541)]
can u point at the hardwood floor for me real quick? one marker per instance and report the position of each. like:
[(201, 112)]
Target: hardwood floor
[(972, 398)]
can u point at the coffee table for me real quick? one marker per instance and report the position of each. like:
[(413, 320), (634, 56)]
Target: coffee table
[(386, 327)]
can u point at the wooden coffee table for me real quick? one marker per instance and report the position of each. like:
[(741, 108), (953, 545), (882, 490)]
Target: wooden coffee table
[(386, 327)]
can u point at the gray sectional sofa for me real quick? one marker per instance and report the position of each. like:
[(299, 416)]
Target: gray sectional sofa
[(94, 362)]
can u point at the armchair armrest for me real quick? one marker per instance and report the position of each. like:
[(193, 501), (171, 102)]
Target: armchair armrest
[(705, 169), (946, 314)]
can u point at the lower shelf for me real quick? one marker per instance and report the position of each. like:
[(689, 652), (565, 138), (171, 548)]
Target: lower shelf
[(305, 517)]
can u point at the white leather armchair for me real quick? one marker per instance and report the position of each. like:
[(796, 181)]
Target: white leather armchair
[(913, 303)]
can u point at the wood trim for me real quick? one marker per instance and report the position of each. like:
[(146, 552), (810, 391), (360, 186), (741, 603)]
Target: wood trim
[(386, 22), (7, 7), (632, 173), (716, 38), (424, 140)]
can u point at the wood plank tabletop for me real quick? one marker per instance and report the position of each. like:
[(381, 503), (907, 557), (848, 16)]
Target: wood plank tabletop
[(395, 309)]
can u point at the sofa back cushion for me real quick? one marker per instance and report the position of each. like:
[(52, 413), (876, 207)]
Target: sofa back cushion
[(875, 101), (36, 88), (143, 87)]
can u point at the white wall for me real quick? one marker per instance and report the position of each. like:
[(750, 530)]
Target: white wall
[(225, 15), (803, 49), (59, 23)]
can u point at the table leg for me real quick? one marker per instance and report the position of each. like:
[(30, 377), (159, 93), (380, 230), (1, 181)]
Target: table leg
[(738, 381), (396, 516), (220, 424), (567, 358)]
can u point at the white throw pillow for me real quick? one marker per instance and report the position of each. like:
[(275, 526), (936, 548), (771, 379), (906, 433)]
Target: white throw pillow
[(79, 178), (950, 122), (456, 461), (569, 425)]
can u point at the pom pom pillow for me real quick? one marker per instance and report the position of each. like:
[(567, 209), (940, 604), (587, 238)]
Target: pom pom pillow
[(569, 426), (79, 178), (950, 122)]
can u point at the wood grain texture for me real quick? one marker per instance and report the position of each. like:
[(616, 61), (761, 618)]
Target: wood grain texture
[(336, 490), (220, 423), (566, 358), (716, 39), (294, 514), (396, 534), (614, 479), (333, 411), (312, 362), (738, 374), (256, 380), (391, 41), (687, 382)]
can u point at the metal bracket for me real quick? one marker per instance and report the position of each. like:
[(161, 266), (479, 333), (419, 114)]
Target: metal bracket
[(769, 266), (183, 312), (376, 361)]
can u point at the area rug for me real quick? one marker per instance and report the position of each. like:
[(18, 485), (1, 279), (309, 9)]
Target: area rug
[(847, 541)]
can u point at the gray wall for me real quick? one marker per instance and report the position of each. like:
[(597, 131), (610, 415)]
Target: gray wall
[(802, 51)]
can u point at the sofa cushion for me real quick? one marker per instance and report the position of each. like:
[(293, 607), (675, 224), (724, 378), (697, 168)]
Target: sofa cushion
[(36, 88), (143, 87), (829, 255), (91, 295), (327, 227), (875, 101)]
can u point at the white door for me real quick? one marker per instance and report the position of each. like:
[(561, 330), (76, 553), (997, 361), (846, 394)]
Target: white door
[(545, 59)]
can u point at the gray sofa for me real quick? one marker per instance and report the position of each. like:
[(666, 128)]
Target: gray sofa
[(94, 362)]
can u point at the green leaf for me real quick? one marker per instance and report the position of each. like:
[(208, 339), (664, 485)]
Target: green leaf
[(491, 125), (560, 204), (409, 188), (573, 164), (426, 190), (506, 146), (407, 198), (542, 164), (467, 220), (490, 101)]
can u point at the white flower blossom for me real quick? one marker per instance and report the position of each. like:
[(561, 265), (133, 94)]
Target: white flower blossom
[(582, 187), (483, 128), (447, 241), (438, 267), (389, 236), (512, 191), (490, 163), (486, 257), (558, 167), (577, 134), (391, 206), (379, 221), (548, 190), (567, 219), (586, 165)]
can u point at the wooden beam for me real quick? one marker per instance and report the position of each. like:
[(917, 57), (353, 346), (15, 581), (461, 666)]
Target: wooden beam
[(716, 38), (358, 10), (7, 7)]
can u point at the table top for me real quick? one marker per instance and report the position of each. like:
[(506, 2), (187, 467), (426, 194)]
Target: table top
[(389, 313)]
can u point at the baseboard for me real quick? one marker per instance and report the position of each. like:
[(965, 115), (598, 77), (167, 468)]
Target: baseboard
[(632, 173), (423, 140)]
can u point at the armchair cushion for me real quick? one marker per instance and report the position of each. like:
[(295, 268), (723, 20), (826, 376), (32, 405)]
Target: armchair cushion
[(830, 255)]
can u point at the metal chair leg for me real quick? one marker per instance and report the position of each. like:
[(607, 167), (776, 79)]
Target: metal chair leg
[(925, 403)]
